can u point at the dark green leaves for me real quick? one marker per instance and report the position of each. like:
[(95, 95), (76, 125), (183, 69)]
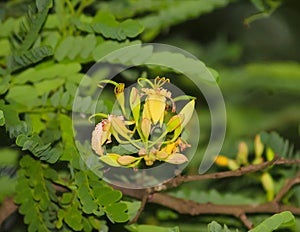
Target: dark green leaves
[(34, 194), (22, 42), (18, 61), (43, 151), (73, 47), (99, 199), (105, 23), (279, 145)]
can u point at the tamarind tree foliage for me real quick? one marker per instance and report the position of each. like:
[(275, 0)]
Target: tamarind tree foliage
[(47, 46)]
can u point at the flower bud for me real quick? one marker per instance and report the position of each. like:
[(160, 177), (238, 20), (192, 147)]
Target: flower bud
[(126, 160), (146, 127), (174, 122), (177, 158)]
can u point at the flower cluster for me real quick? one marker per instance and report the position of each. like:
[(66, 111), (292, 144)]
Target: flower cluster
[(149, 128)]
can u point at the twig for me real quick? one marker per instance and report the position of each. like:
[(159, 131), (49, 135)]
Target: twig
[(243, 217), (143, 203), (286, 187)]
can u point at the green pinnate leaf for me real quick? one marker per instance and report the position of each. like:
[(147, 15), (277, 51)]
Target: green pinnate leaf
[(117, 212), (73, 218), (281, 220), (66, 198), (107, 195), (19, 94)]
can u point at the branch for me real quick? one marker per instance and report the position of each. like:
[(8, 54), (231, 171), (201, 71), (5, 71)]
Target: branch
[(218, 175), (184, 206), (143, 203), (7, 208), (193, 208), (286, 187)]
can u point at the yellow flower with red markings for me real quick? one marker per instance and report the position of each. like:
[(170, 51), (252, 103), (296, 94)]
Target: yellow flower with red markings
[(148, 130)]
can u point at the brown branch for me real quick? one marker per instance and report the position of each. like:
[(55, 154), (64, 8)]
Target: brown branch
[(193, 208), (286, 187), (243, 217), (143, 203), (184, 206), (218, 175), (7, 208)]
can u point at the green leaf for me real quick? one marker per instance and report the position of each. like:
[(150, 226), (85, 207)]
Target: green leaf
[(132, 208), (35, 195), (29, 30), (117, 212), (216, 227), (107, 195), (73, 217), (4, 84), (28, 57), (48, 70), (105, 23), (277, 221), (124, 149), (20, 94), (150, 228), (2, 118), (35, 144), (175, 13), (111, 159), (43, 4), (279, 145)]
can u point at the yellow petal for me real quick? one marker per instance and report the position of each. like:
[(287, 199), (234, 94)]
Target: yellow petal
[(146, 112), (156, 106)]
